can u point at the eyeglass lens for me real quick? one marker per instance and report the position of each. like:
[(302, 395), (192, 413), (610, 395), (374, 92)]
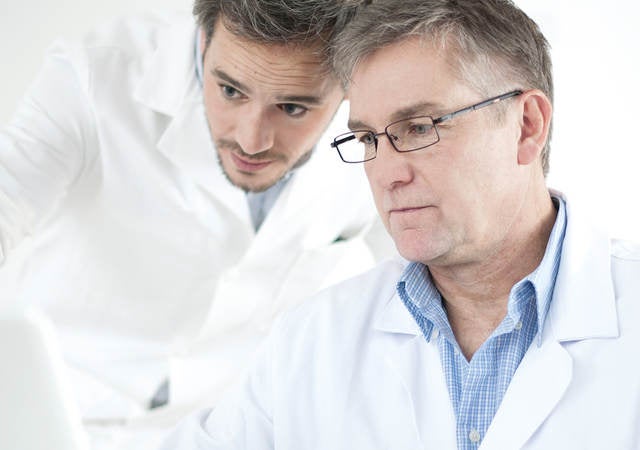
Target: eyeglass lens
[(405, 135)]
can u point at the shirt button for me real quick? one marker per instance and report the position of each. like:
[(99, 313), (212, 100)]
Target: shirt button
[(518, 325), (435, 333), (474, 436)]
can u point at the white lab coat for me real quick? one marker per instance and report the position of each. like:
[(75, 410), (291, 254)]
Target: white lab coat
[(351, 370), (134, 242)]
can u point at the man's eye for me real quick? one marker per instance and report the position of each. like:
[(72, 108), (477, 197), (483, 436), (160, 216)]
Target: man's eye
[(293, 110), (367, 139), (420, 128), (229, 91)]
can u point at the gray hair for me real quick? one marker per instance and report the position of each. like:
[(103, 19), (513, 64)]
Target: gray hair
[(490, 44), (307, 23)]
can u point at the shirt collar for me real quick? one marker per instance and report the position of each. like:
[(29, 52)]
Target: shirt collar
[(544, 277), (260, 203)]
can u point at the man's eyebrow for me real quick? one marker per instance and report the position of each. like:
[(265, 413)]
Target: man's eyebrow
[(235, 83), (419, 109), (355, 124), (311, 100)]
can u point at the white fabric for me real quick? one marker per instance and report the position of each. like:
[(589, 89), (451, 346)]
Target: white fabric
[(132, 240), (351, 370)]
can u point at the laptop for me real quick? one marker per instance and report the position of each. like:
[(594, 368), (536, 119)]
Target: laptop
[(37, 410)]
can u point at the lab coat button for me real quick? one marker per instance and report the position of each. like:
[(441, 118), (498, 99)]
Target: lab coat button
[(474, 436)]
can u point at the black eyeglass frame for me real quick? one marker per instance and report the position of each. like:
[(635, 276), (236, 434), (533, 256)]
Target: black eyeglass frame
[(346, 137)]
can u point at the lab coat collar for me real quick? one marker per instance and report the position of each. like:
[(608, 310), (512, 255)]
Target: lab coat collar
[(537, 386), (393, 316), (169, 73), (583, 304), (415, 366), (169, 85)]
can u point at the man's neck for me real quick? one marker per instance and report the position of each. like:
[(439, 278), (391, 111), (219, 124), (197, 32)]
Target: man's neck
[(476, 295)]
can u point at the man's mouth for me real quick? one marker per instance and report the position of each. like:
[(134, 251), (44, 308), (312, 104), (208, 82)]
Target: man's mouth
[(407, 209), (248, 165)]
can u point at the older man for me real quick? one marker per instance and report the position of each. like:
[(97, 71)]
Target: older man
[(514, 323)]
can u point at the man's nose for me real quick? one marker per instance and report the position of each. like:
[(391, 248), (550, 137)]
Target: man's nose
[(389, 168), (255, 132)]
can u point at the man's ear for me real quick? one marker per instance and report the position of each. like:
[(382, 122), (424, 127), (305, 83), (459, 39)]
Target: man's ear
[(536, 112)]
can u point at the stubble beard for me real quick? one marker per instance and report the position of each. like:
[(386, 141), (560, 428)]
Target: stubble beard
[(233, 147)]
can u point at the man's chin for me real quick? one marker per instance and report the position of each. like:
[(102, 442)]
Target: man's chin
[(253, 183), (261, 180)]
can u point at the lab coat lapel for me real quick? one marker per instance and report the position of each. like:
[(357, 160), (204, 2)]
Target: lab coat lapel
[(536, 388), (187, 144), (415, 364), (584, 303), (582, 307), (169, 86)]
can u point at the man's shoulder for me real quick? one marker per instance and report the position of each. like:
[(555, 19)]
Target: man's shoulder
[(625, 262), (131, 38), (146, 55), (332, 330), (137, 33), (625, 273), (349, 305)]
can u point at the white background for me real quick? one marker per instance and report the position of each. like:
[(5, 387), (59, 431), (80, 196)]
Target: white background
[(596, 55)]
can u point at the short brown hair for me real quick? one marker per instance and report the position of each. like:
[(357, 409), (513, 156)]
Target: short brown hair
[(311, 23)]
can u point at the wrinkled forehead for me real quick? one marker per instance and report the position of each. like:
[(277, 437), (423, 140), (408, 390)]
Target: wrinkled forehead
[(466, 61), (409, 77)]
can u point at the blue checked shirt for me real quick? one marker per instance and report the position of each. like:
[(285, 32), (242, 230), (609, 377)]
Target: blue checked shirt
[(477, 387)]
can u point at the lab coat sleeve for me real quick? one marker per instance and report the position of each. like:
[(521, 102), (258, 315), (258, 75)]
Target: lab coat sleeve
[(43, 148), (242, 420)]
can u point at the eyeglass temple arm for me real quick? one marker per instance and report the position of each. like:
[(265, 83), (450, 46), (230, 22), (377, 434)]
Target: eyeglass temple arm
[(335, 143), (487, 102)]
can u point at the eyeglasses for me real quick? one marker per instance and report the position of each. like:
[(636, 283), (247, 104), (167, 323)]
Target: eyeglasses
[(406, 135)]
